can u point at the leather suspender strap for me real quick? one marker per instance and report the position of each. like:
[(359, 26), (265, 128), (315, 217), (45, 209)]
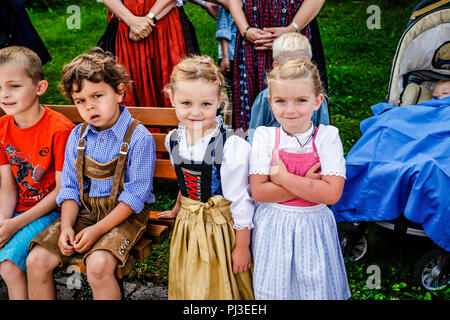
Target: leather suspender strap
[(121, 164), (79, 163), (118, 172)]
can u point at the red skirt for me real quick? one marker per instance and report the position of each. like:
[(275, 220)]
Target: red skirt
[(151, 60)]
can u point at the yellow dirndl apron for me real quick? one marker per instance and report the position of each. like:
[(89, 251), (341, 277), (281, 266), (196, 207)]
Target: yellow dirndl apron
[(200, 265)]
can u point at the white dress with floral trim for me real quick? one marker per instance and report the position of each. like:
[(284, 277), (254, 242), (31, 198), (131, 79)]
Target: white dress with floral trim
[(296, 250)]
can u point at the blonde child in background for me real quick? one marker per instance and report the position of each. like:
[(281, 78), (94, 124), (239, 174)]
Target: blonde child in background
[(32, 142), (295, 243), (291, 45), (210, 248)]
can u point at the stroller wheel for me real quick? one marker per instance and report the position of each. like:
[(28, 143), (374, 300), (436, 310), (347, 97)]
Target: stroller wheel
[(432, 270), (355, 252)]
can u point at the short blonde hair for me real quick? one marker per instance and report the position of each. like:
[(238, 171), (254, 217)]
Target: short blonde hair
[(195, 67), (95, 66), (290, 42), (441, 82), (297, 69), (24, 57)]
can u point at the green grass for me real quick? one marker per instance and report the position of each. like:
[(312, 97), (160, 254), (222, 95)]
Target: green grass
[(65, 44), (358, 67)]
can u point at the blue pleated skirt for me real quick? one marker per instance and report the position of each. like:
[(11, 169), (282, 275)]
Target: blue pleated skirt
[(297, 254), (16, 250)]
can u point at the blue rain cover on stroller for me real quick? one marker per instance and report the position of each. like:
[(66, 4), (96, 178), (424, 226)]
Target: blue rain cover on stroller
[(401, 164)]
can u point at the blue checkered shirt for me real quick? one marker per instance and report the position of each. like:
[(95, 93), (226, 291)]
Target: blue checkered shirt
[(103, 146)]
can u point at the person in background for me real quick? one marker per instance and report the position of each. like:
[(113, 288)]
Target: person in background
[(259, 24), (16, 29), (290, 45), (226, 35), (150, 41)]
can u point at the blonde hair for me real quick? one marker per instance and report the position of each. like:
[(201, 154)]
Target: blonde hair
[(196, 67), (24, 57), (290, 42), (297, 69), (95, 66), (440, 82)]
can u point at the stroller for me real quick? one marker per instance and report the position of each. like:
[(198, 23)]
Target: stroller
[(422, 58)]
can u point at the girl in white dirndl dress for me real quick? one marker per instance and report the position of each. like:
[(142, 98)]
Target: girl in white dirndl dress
[(295, 244)]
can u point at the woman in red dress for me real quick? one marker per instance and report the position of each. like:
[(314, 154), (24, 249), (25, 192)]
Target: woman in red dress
[(149, 44)]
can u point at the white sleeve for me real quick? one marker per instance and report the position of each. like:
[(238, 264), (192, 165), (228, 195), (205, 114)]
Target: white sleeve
[(167, 144), (330, 150), (235, 184), (261, 154)]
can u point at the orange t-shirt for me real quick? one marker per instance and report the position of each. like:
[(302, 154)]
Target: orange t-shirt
[(34, 153)]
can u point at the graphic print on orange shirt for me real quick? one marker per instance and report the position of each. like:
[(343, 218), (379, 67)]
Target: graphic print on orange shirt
[(29, 178)]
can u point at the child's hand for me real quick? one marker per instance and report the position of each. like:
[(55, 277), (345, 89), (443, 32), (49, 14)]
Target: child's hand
[(277, 170), (169, 214), (66, 240), (86, 239), (225, 65), (242, 259), (7, 230), (314, 172)]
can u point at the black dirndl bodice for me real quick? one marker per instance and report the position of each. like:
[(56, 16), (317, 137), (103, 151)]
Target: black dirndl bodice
[(200, 180)]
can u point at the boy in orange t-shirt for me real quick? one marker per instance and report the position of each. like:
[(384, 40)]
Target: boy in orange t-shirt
[(32, 145)]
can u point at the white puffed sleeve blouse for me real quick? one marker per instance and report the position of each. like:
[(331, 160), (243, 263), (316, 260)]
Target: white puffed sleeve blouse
[(233, 171)]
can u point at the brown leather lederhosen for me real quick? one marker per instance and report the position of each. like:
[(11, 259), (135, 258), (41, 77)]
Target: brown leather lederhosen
[(120, 239)]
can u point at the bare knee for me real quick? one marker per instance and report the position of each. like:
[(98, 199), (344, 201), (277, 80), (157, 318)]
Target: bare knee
[(10, 271), (41, 261), (100, 266)]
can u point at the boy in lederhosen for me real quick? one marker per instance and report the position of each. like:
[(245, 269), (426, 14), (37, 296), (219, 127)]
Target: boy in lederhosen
[(106, 182)]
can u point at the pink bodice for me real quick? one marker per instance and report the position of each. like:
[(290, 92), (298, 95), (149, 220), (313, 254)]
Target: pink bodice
[(298, 164)]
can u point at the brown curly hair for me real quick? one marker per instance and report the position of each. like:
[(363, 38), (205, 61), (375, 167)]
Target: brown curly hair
[(95, 66)]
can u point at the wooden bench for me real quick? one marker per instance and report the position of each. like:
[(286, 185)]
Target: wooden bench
[(157, 229)]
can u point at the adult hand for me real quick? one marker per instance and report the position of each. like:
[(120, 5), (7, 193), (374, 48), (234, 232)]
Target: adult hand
[(66, 241), (140, 28), (8, 229), (255, 34), (86, 239), (212, 9), (241, 259), (274, 32)]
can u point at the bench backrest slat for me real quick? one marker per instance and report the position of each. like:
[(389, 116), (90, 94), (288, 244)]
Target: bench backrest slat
[(150, 117)]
